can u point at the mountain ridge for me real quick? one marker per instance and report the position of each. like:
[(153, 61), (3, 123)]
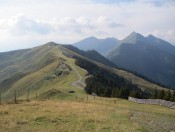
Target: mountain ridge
[(45, 71), (103, 46), (149, 56)]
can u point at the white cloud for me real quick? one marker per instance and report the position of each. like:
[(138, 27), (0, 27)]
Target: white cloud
[(23, 30), (73, 25), (69, 21), (20, 25)]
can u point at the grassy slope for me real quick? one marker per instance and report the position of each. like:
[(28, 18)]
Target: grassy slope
[(99, 115), (34, 79)]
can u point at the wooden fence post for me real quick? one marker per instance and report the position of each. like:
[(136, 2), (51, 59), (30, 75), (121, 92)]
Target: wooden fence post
[(27, 94), (15, 97), (87, 97), (0, 98), (94, 97)]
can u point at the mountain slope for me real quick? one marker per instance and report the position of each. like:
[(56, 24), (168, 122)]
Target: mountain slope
[(145, 56), (103, 46), (54, 71), (161, 44), (143, 84), (38, 70), (92, 55)]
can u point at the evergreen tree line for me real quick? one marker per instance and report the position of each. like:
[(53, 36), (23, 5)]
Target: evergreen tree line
[(161, 94), (147, 79), (94, 56), (107, 84)]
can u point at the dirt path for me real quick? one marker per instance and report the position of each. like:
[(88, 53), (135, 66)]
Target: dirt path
[(78, 83)]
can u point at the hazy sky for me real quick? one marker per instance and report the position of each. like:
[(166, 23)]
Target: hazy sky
[(27, 23)]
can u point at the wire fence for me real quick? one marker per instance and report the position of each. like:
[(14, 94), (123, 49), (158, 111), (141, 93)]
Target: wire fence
[(87, 98), (15, 99)]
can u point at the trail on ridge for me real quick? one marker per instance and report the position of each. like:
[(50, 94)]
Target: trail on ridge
[(78, 83)]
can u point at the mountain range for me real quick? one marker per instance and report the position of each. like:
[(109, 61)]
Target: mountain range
[(103, 46), (54, 71), (149, 56)]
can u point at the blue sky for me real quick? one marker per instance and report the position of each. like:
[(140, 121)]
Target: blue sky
[(156, 2), (113, 1), (27, 23)]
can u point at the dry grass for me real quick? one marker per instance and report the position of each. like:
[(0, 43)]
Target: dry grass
[(82, 115)]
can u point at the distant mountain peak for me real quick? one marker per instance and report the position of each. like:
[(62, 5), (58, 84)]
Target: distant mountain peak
[(150, 35), (102, 46), (137, 52), (135, 34), (91, 37), (112, 38), (133, 38)]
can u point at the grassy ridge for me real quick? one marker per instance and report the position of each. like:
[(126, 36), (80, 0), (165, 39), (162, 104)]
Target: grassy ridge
[(41, 62)]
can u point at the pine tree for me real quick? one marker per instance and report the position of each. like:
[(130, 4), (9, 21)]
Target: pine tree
[(88, 90), (155, 94), (167, 95), (114, 92), (133, 93), (161, 94), (173, 96), (120, 93)]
